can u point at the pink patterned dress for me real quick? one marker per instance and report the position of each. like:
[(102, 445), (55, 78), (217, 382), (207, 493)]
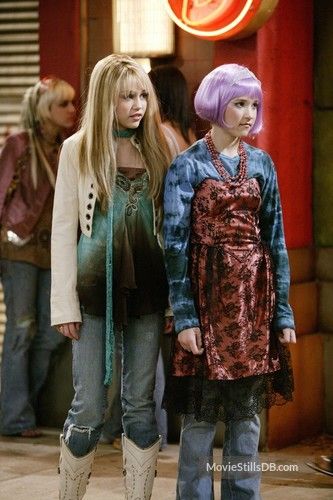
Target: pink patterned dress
[(244, 367), (232, 282)]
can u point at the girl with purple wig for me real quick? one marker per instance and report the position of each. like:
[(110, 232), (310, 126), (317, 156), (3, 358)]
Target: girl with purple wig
[(228, 274)]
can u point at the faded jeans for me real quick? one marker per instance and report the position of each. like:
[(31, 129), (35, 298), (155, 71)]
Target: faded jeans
[(113, 426), (85, 419), (240, 451), (28, 344), (113, 421)]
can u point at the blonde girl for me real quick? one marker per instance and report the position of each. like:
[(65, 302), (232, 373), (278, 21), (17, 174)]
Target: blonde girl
[(113, 283), (28, 168)]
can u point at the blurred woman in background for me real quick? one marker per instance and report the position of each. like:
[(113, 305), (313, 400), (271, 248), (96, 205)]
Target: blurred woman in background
[(175, 108), (28, 168)]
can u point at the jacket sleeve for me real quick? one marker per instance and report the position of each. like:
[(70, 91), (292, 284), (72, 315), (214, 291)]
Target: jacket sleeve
[(271, 224), (65, 305), (178, 195), (8, 159)]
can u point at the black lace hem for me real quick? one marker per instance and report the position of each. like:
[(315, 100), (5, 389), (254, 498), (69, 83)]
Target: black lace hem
[(226, 400)]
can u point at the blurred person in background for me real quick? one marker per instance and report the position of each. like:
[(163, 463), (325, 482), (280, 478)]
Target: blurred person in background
[(175, 107), (28, 169)]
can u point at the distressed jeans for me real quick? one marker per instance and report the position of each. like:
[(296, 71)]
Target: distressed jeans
[(85, 419), (28, 344), (240, 477)]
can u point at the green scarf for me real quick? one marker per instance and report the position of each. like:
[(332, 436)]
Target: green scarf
[(109, 340)]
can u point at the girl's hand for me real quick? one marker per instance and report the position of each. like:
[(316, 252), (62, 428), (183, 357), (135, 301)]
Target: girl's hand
[(169, 325), (190, 340), (70, 330), (287, 336)]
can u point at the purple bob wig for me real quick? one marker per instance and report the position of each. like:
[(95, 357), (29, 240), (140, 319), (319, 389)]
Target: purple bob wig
[(223, 84)]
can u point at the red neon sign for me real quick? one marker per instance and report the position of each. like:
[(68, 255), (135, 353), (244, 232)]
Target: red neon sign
[(220, 19)]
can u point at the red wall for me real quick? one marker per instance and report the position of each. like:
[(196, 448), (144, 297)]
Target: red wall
[(281, 56), (59, 38)]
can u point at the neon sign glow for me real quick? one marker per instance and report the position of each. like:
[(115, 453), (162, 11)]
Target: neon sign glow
[(220, 19)]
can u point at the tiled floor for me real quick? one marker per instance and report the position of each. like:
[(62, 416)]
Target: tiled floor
[(28, 471)]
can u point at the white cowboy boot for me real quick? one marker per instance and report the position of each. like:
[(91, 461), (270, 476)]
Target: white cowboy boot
[(139, 469), (74, 473)]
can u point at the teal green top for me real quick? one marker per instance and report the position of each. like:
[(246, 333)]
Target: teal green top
[(126, 278)]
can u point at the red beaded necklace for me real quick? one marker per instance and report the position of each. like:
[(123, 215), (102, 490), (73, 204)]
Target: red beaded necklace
[(242, 170)]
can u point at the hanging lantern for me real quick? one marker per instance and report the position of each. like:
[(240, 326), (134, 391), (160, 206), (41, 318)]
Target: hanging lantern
[(142, 28), (220, 19)]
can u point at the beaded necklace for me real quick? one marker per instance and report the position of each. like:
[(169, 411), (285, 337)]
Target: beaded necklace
[(242, 170)]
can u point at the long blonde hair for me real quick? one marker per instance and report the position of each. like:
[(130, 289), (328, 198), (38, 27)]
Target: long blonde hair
[(109, 77), (36, 106)]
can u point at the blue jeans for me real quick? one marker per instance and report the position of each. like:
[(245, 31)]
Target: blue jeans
[(161, 414), (85, 419), (28, 343), (113, 426), (113, 417), (240, 449)]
